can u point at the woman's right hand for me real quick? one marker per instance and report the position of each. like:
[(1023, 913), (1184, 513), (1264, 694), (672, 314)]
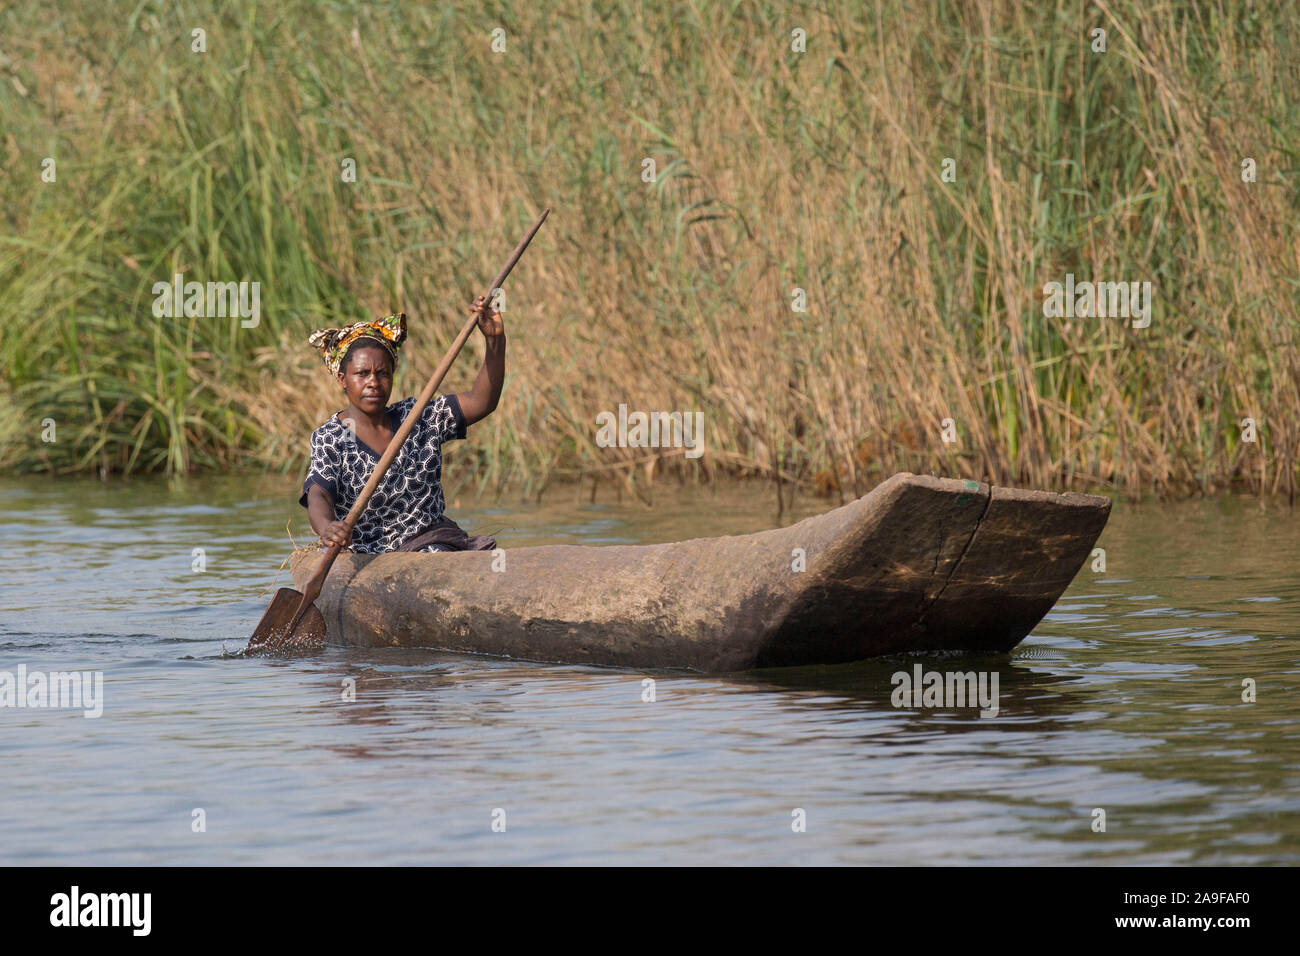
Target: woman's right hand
[(336, 532)]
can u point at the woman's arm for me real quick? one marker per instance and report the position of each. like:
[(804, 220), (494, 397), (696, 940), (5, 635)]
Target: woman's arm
[(481, 400), (320, 512)]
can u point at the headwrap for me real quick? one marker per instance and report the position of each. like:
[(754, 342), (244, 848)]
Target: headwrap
[(333, 344)]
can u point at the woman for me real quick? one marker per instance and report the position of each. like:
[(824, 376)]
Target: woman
[(406, 511)]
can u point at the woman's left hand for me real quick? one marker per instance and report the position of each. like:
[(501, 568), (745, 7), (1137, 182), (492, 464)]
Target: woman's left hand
[(489, 319)]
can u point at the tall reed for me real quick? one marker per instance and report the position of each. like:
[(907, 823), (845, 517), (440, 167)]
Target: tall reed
[(819, 170)]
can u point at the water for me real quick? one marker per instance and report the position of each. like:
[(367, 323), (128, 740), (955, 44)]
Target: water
[(1128, 698)]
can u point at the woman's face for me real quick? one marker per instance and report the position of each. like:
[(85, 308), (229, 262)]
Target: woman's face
[(368, 379)]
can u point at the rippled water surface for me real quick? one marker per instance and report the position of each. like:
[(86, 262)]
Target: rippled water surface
[(1127, 698)]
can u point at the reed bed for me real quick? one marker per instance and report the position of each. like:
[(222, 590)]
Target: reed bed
[(776, 170)]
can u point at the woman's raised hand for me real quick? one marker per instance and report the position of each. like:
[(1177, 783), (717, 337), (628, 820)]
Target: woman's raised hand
[(489, 319)]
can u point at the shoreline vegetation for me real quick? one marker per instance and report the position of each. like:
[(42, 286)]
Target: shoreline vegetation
[(822, 171)]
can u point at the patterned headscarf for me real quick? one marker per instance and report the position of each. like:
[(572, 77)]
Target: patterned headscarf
[(333, 344)]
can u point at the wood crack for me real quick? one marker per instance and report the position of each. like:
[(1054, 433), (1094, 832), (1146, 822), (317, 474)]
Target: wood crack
[(957, 564)]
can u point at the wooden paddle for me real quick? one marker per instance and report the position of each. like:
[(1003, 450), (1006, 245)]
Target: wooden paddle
[(292, 622)]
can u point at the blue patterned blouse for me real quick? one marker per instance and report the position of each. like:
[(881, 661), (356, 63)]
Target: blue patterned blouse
[(409, 499)]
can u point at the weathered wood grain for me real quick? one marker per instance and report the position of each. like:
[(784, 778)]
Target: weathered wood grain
[(919, 563)]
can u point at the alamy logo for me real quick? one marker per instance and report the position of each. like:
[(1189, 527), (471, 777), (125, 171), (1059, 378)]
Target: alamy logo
[(212, 300), (653, 430), (946, 690), (82, 690), (1105, 300), (102, 909)]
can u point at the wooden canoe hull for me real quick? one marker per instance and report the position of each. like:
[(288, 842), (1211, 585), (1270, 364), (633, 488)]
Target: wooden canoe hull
[(919, 563)]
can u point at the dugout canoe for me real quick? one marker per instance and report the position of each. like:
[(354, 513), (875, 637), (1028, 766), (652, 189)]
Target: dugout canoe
[(918, 564)]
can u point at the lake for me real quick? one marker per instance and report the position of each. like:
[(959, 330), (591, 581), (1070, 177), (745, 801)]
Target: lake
[(1127, 698)]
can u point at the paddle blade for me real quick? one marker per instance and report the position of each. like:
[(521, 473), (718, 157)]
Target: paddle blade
[(277, 632)]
